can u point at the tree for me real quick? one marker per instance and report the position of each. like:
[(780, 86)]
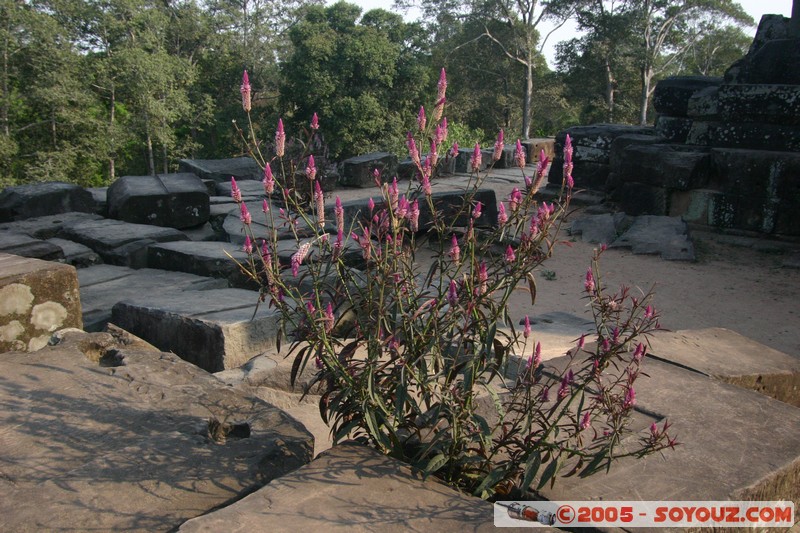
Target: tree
[(669, 29), (360, 76), (715, 51)]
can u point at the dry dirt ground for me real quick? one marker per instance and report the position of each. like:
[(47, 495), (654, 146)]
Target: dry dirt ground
[(731, 285)]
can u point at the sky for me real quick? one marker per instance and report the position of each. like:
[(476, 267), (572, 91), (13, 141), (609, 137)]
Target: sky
[(755, 8)]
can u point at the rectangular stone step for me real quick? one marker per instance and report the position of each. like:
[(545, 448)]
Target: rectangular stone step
[(216, 329), (102, 286)]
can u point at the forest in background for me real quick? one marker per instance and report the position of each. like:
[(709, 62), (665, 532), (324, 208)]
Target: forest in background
[(91, 90)]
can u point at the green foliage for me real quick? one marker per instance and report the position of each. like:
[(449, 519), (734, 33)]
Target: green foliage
[(359, 76)]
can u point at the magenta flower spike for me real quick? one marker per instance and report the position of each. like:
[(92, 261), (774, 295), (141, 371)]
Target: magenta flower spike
[(537, 354), (510, 257), (299, 256), (422, 121), (236, 194), (269, 180), (394, 194), (654, 429), (475, 160), (455, 251), (413, 152), (588, 284), (441, 86), (502, 217), (515, 199), (498, 147), (454, 150), (519, 155), (568, 162), (444, 131), (338, 211), (563, 389), (426, 182), (476, 212), (586, 421), (630, 398), (245, 90), (483, 278), (371, 205), (545, 395), (314, 122), (265, 206), (280, 139), (245, 214), (413, 216), (452, 293), (433, 154), (311, 168), (319, 203), (248, 245), (526, 331)]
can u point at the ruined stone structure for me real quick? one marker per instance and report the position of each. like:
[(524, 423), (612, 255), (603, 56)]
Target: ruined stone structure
[(724, 152)]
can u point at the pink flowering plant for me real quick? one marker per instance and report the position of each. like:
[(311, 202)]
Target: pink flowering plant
[(425, 364)]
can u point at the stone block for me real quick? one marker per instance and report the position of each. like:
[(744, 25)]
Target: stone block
[(207, 259), (585, 174), (75, 254), (616, 155), (535, 146), (234, 229), (703, 104), (761, 190), (774, 137), (695, 206), (108, 437), (48, 226), (117, 242), (463, 164), (598, 229), (641, 199), (673, 129), (249, 188), (773, 104), (171, 200), (102, 286), (671, 96), (664, 165), (728, 356), (23, 245), (221, 170), (593, 143), (357, 171), (39, 199), (100, 197), (36, 298), (707, 416), (217, 329), (658, 235), (352, 488), (776, 62)]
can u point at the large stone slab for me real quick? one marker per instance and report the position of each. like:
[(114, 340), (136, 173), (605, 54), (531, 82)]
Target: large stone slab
[(48, 226), (775, 104), (735, 444), (220, 170), (209, 259), (39, 199), (23, 245), (215, 329), (592, 143), (728, 356), (171, 200), (672, 94), (351, 488), (36, 298), (357, 171), (100, 436), (102, 286), (757, 136), (673, 129), (664, 165), (76, 254), (117, 242), (658, 235)]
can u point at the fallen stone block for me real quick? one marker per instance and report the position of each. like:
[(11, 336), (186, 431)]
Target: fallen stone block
[(593, 143), (727, 356), (703, 104), (357, 171), (379, 490), (262, 227), (638, 199), (22, 245), (249, 189), (108, 437), (202, 259), (100, 197), (672, 94), (171, 200), (215, 329), (616, 154), (102, 286), (756, 136), (117, 242), (673, 129), (585, 174), (49, 226), (775, 62), (598, 229), (221, 170), (664, 165), (36, 298), (695, 206), (658, 235), (537, 145), (75, 254), (463, 163), (707, 416), (203, 233), (39, 199), (774, 104)]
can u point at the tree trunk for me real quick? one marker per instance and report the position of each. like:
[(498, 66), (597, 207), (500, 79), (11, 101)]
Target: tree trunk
[(166, 160), (526, 101), (609, 90), (53, 131), (6, 97), (647, 78), (151, 164), (113, 152)]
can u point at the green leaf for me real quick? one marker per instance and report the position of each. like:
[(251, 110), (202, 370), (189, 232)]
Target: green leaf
[(489, 482), (550, 472), (531, 469), (435, 464)]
